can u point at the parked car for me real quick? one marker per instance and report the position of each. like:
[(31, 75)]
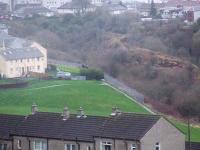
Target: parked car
[(63, 75)]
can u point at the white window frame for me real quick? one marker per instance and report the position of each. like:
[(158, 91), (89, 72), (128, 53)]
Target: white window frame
[(42, 145), (19, 144), (157, 145), (106, 143), (89, 147), (133, 147), (71, 145), (3, 146)]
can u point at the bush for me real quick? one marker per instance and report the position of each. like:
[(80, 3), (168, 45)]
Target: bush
[(92, 74), (51, 67)]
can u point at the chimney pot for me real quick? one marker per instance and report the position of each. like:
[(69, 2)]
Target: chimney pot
[(115, 111), (65, 113), (34, 109), (81, 113)]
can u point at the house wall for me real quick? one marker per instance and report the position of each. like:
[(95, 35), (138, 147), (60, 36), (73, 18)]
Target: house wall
[(2, 66), (17, 68), (52, 4), (52, 144), (166, 134), (66, 11), (60, 145), (196, 15), (24, 141), (44, 52), (8, 143), (116, 144)]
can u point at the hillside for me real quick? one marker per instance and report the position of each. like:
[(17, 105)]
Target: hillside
[(160, 60)]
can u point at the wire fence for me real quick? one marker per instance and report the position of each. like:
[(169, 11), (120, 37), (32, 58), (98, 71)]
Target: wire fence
[(124, 88)]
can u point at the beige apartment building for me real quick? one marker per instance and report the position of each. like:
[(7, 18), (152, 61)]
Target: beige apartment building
[(18, 62)]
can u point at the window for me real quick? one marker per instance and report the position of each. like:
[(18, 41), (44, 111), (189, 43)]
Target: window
[(11, 70), (106, 146), (157, 146), (38, 67), (3, 146), (70, 147), (133, 147), (19, 144), (39, 145), (88, 148)]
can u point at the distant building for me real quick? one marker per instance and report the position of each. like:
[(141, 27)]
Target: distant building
[(54, 4), (29, 10), (115, 8), (28, 2), (4, 8), (19, 57), (65, 131), (3, 29), (75, 7)]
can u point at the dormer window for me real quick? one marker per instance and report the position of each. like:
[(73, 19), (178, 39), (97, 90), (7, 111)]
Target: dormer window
[(106, 146), (157, 146)]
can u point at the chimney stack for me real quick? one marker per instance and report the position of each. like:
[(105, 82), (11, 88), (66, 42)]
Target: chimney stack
[(34, 109), (65, 114), (115, 111), (81, 113)]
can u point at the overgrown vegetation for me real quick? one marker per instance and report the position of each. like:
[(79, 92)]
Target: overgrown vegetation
[(92, 74), (111, 44)]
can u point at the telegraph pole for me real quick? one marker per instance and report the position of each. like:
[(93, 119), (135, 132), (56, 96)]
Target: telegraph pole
[(189, 133)]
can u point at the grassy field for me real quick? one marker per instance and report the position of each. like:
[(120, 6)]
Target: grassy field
[(74, 70), (95, 97), (195, 132)]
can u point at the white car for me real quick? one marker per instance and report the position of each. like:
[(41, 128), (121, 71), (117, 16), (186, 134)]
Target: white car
[(63, 75)]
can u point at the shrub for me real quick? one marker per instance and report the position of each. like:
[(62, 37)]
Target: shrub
[(92, 74)]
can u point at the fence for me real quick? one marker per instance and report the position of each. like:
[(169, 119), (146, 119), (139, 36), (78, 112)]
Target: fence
[(14, 85), (124, 88)]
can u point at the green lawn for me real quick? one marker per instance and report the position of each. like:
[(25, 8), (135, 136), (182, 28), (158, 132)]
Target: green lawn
[(74, 70), (94, 97), (52, 96), (195, 132)]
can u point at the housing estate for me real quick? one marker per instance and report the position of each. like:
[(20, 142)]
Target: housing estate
[(65, 131), (19, 57)]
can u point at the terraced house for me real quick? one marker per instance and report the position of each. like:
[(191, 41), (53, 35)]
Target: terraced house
[(18, 57), (65, 131)]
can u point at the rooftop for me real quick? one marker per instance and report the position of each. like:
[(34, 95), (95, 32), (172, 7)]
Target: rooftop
[(20, 53), (75, 5), (128, 126)]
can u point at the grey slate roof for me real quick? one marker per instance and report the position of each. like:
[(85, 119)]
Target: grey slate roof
[(194, 145), (76, 5), (115, 6), (50, 125), (12, 42), (7, 124), (32, 10), (21, 53)]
